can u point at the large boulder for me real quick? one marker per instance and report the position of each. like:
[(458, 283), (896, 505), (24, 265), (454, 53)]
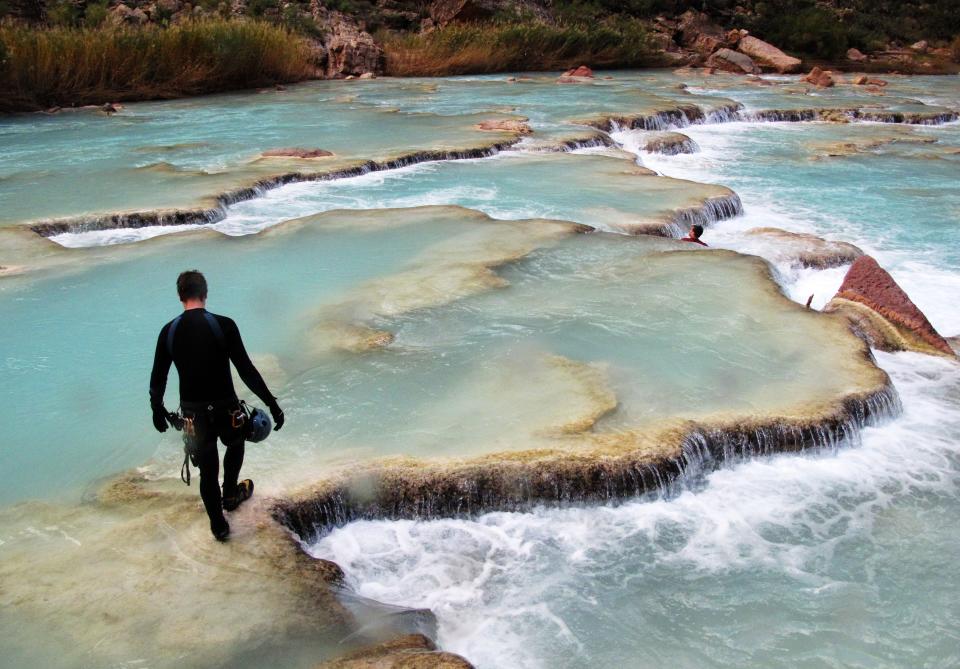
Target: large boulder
[(733, 61), (819, 78), (883, 313), (768, 55), (349, 50)]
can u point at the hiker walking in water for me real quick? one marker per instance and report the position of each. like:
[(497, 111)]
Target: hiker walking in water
[(202, 346)]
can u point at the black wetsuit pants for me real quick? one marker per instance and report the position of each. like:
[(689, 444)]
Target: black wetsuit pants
[(223, 421)]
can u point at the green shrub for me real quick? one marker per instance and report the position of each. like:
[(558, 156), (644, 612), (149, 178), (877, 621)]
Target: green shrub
[(95, 14), (63, 13)]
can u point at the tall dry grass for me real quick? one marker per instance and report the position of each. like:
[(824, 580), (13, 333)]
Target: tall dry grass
[(44, 67), (504, 47)]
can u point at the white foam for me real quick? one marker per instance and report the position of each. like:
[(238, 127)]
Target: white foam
[(74, 240), (930, 282), (498, 583)]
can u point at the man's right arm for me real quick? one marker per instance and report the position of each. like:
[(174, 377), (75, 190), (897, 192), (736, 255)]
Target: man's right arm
[(158, 381)]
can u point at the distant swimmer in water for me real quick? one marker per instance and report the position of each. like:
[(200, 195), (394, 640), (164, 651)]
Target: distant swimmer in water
[(694, 235), (202, 346)]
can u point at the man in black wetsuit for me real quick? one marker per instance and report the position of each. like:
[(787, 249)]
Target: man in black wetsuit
[(202, 345)]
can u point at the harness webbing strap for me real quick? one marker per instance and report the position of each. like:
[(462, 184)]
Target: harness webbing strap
[(185, 468), (171, 331), (211, 321)]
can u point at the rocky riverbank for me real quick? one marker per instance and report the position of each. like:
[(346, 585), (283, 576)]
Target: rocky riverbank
[(337, 41)]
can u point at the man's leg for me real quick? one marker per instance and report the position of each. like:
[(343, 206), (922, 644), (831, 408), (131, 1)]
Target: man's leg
[(208, 460), (232, 462)]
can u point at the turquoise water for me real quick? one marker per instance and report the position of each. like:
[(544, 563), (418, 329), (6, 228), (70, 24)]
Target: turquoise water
[(386, 330)]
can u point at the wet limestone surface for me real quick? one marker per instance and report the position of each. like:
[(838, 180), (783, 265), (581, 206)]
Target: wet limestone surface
[(416, 347), (605, 191)]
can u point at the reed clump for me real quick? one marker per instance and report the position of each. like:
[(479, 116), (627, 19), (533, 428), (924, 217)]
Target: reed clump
[(72, 66), (478, 48)]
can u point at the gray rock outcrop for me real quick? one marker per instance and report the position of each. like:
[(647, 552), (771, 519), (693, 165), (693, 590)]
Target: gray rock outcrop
[(729, 60)]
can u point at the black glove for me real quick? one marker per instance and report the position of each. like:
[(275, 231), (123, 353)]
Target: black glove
[(277, 414), (160, 419)]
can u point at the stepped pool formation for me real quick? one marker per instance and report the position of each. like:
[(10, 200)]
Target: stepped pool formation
[(524, 418)]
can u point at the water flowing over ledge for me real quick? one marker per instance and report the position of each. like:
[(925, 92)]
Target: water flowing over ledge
[(712, 210), (217, 213), (849, 114), (409, 489), (688, 115)]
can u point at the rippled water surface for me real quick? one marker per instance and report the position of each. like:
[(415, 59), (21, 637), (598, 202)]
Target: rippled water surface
[(448, 308)]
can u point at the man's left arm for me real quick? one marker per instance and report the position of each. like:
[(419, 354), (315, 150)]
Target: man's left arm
[(249, 374)]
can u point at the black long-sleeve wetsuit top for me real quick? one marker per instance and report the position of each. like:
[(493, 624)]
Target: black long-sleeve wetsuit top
[(203, 362)]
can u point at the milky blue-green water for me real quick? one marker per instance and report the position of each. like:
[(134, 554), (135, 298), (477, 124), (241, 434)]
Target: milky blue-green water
[(834, 559)]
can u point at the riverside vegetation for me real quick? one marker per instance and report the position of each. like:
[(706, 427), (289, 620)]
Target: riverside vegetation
[(76, 52), (84, 65)]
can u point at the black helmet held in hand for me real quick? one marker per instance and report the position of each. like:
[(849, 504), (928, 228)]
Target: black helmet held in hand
[(258, 425)]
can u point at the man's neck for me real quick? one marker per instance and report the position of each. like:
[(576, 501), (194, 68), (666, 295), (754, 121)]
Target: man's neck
[(194, 304)]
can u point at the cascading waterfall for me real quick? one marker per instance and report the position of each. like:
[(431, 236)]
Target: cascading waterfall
[(510, 486)]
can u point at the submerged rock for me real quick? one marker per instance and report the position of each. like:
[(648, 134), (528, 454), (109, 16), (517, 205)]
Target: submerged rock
[(733, 61), (411, 651), (768, 55), (577, 75), (807, 250), (295, 152), (883, 313), (670, 144), (518, 126)]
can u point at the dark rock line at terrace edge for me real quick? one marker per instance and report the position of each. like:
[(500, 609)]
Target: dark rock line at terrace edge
[(218, 213), (472, 488), (676, 118), (684, 116)]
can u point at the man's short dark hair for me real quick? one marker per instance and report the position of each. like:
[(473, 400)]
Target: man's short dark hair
[(191, 285), (697, 231)]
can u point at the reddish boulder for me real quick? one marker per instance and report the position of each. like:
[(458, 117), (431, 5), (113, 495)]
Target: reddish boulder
[(769, 55), (582, 71), (869, 285), (706, 44), (819, 78)]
